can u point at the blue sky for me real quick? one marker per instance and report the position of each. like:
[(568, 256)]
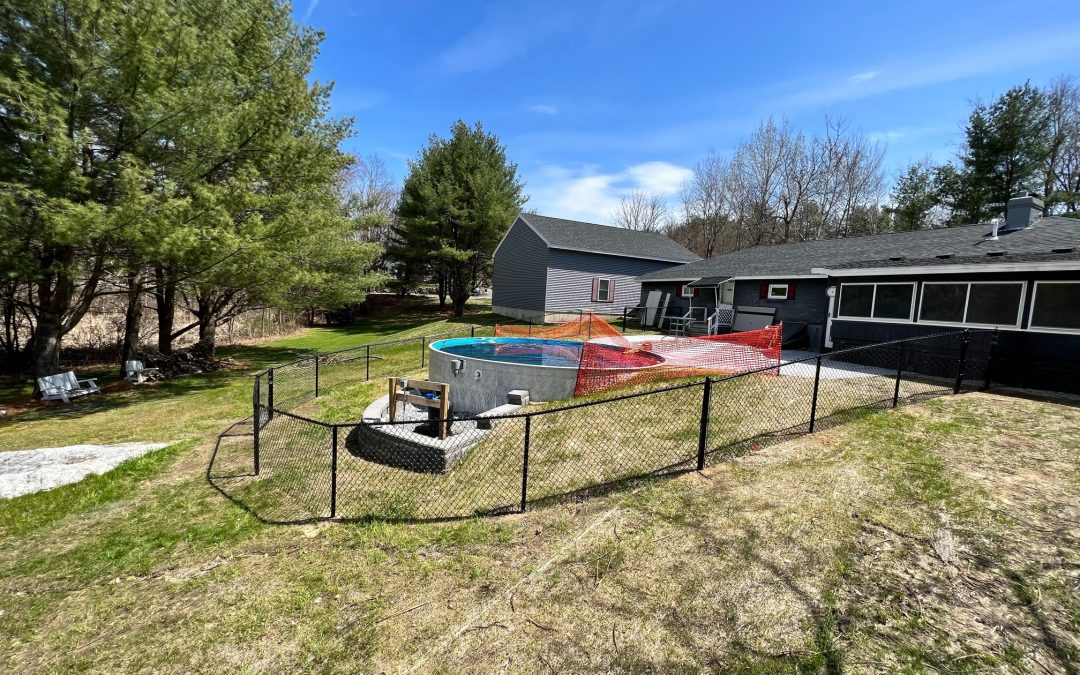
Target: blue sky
[(594, 99)]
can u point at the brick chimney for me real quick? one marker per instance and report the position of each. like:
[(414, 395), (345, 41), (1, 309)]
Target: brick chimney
[(1022, 210)]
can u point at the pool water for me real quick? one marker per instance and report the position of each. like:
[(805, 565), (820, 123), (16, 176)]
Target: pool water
[(524, 351)]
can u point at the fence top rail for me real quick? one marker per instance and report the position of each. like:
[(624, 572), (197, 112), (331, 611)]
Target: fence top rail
[(301, 418), (650, 392), (414, 338)]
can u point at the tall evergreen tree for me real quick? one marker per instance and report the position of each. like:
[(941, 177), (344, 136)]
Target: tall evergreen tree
[(914, 197), (459, 199), (173, 145), (1007, 148)]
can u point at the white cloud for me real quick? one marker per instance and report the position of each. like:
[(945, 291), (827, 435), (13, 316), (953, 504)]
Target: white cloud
[(864, 77), (913, 70), (312, 5), (585, 193), (507, 32), (542, 109), (659, 177)]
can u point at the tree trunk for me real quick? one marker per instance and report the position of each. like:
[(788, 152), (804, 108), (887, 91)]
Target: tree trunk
[(132, 320), (45, 354), (207, 344), (461, 290), (165, 299), (442, 290)]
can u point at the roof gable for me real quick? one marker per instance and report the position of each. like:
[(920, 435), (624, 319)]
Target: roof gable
[(574, 235)]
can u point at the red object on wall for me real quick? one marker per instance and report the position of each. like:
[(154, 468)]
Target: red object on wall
[(763, 291), (791, 292)]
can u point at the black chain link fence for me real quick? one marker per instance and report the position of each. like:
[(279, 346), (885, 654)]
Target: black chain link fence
[(309, 469)]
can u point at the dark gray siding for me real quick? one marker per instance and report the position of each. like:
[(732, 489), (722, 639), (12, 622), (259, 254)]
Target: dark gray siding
[(519, 276), (810, 304), (1039, 360), (570, 275)]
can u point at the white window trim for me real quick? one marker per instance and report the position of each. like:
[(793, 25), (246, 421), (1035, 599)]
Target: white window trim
[(683, 288), (967, 298), (1031, 311), (873, 302), (599, 290), (770, 296)]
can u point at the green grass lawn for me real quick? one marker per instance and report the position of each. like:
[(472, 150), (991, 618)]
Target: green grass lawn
[(198, 406), (939, 536)]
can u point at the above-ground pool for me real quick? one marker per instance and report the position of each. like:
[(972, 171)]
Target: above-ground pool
[(480, 371)]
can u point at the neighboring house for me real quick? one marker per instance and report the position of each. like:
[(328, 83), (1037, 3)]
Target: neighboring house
[(544, 267), (1021, 276)]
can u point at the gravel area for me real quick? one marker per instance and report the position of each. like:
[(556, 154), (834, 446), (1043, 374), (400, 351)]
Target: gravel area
[(26, 471)]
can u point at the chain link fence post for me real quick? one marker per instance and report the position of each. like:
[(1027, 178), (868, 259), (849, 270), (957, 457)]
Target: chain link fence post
[(316, 374), (333, 470), (899, 372), (703, 429), (270, 395), (813, 401), (472, 331), (990, 360), (256, 414), (525, 464), (964, 339), (423, 350), (367, 362)]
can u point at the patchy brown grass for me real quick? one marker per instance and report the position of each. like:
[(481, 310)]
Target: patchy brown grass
[(937, 536)]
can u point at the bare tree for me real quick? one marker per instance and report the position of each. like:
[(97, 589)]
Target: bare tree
[(758, 168), (705, 206), (642, 211), (372, 197), (1062, 181)]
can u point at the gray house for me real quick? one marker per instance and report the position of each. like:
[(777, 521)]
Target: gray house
[(544, 267), (1020, 276)]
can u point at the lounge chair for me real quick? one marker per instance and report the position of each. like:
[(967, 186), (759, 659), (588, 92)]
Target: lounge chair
[(65, 386), (134, 371)]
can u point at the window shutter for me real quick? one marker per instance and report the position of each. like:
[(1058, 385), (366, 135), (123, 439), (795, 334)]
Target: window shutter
[(611, 290), (696, 290), (791, 292), (763, 291), (595, 289)]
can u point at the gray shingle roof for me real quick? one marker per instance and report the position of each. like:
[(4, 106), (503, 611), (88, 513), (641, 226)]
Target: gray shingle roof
[(965, 243), (578, 236)]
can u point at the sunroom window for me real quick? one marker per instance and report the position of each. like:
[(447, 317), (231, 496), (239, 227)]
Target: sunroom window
[(885, 301), (1056, 306), (974, 303)]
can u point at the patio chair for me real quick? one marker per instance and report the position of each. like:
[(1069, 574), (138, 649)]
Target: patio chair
[(65, 386), (135, 372)]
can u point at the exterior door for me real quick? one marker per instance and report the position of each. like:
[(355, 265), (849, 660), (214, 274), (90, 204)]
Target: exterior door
[(727, 293)]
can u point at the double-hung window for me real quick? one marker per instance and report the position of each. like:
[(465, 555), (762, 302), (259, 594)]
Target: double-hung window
[(881, 302), (603, 290), (972, 303)]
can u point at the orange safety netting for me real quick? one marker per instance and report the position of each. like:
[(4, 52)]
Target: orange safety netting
[(610, 359), (585, 327), (611, 362)]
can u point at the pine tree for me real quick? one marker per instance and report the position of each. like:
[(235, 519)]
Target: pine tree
[(459, 199), (1006, 150), (914, 197)]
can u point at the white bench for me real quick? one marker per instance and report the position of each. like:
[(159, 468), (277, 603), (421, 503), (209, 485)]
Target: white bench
[(65, 386), (134, 371)]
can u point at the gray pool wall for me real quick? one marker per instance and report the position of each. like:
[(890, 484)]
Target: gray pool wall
[(482, 384)]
